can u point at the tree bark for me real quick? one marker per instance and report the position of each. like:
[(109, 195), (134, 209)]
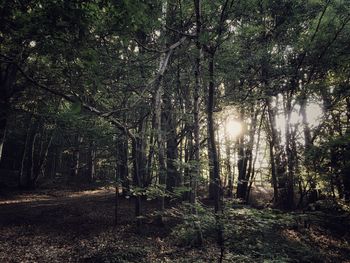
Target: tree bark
[(21, 177), (242, 182), (136, 181), (228, 144), (196, 103), (272, 144), (215, 184), (3, 125), (160, 142), (173, 176), (122, 174), (31, 157), (91, 161), (76, 157), (291, 155), (8, 74), (346, 158), (122, 170)]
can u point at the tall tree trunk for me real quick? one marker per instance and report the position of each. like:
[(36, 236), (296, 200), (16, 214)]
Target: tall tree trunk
[(31, 157), (242, 182), (291, 155), (196, 103), (22, 170), (309, 163), (272, 146), (346, 158), (136, 181), (3, 124), (173, 176), (161, 143), (142, 145), (91, 161), (273, 171), (122, 170), (215, 184), (335, 176), (228, 144), (195, 147), (158, 118), (245, 162), (121, 173), (188, 170), (151, 151), (53, 161), (42, 158), (252, 162), (76, 157), (306, 127), (8, 74)]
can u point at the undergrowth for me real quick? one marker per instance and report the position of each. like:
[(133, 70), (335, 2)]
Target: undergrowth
[(267, 235)]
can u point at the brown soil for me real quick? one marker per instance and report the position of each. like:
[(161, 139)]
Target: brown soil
[(78, 226)]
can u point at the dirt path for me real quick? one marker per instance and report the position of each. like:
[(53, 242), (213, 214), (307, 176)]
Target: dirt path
[(78, 226), (62, 226)]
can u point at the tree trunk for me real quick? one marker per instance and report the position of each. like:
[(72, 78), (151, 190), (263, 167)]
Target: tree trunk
[(346, 158), (291, 155), (42, 161), (173, 176), (8, 74), (242, 183), (215, 184), (122, 170), (136, 181), (142, 145), (91, 161), (251, 167), (160, 142), (3, 125), (306, 127), (196, 102), (272, 144), (121, 174), (31, 157), (228, 143), (149, 167), (189, 171), (191, 111), (76, 157), (21, 177)]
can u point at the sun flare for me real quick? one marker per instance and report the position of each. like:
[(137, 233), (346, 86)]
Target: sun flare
[(233, 128)]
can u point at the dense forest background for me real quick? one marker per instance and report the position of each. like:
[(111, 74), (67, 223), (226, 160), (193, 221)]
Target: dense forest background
[(223, 103)]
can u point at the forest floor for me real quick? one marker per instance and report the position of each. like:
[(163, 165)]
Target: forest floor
[(78, 226)]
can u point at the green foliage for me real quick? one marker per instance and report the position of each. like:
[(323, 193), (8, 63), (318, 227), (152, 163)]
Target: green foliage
[(250, 235), (151, 192), (179, 191), (203, 220), (260, 231)]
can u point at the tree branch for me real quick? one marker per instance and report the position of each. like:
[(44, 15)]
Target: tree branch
[(123, 128), (172, 47)]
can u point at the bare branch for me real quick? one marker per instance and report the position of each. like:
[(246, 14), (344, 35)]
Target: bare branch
[(180, 32), (173, 46)]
